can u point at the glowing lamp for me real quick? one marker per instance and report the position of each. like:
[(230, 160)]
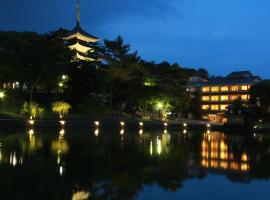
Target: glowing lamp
[(2, 95), (122, 132), (31, 122), (31, 132), (96, 123), (62, 132), (96, 132), (62, 122), (122, 123)]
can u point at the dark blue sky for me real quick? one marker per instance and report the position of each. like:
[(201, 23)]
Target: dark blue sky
[(220, 35)]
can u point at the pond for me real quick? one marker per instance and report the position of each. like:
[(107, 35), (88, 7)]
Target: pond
[(118, 164)]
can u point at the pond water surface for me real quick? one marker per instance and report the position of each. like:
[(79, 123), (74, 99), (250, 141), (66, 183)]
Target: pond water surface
[(141, 165)]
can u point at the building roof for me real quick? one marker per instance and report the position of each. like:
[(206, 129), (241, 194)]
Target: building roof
[(78, 29), (240, 74), (240, 77), (226, 81)]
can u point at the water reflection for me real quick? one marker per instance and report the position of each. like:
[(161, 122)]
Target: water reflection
[(218, 153), (74, 165)]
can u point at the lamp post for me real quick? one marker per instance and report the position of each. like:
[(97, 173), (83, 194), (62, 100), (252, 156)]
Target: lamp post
[(2, 96)]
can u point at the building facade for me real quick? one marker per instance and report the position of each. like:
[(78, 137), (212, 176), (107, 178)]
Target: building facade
[(218, 93)]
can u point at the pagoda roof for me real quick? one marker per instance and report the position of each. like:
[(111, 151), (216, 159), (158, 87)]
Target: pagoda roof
[(78, 29)]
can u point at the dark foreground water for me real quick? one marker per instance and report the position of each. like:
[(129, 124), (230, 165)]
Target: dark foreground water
[(131, 165)]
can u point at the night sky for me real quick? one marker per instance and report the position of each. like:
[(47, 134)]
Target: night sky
[(219, 35)]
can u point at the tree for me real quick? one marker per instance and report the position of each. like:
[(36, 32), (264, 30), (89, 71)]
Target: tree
[(34, 60), (61, 108), (260, 96), (32, 110), (123, 73)]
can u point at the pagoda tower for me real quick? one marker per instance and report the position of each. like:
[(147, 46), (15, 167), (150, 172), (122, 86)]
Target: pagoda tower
[(79, 40)]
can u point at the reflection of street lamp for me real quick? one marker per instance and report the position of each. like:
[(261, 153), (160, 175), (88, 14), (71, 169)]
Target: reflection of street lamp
[(2, 96)]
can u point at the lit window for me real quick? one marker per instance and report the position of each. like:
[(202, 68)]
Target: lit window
[(244, 87), (214, 98), (235, 88), (205, 107), (214, 89), (224, 89), (245, 97), (223, 107), (224, 98), (205, 98), (205, 89), (234, 97), (214, 107)]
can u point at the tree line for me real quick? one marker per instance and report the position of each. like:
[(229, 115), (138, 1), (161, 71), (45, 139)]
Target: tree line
[(118, 82)]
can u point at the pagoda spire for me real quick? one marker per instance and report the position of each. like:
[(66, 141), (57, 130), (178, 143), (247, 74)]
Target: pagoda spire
[(78, 13)]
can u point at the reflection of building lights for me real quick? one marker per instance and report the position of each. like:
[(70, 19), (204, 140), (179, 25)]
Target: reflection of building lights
[(244, 167), (215, 153), (214, 163), (208, 125), (204, 163), (244, 157), (62, 122), (208, 131), (62, 132), (96, 132), (151, 148), (122, 132), (234, 165), (165, 124), (96, 123), (165, 131), (224, 164), (159, 148), (141, 132)]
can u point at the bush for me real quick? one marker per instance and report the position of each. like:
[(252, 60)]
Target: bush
[(32, 110), (61, 108)]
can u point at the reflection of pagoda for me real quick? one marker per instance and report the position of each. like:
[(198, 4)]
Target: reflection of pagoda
[(79, 40)]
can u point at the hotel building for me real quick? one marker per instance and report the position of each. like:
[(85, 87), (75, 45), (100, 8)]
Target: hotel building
[(217, 94)]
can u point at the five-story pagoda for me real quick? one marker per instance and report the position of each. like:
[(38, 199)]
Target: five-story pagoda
[(79, 40)]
